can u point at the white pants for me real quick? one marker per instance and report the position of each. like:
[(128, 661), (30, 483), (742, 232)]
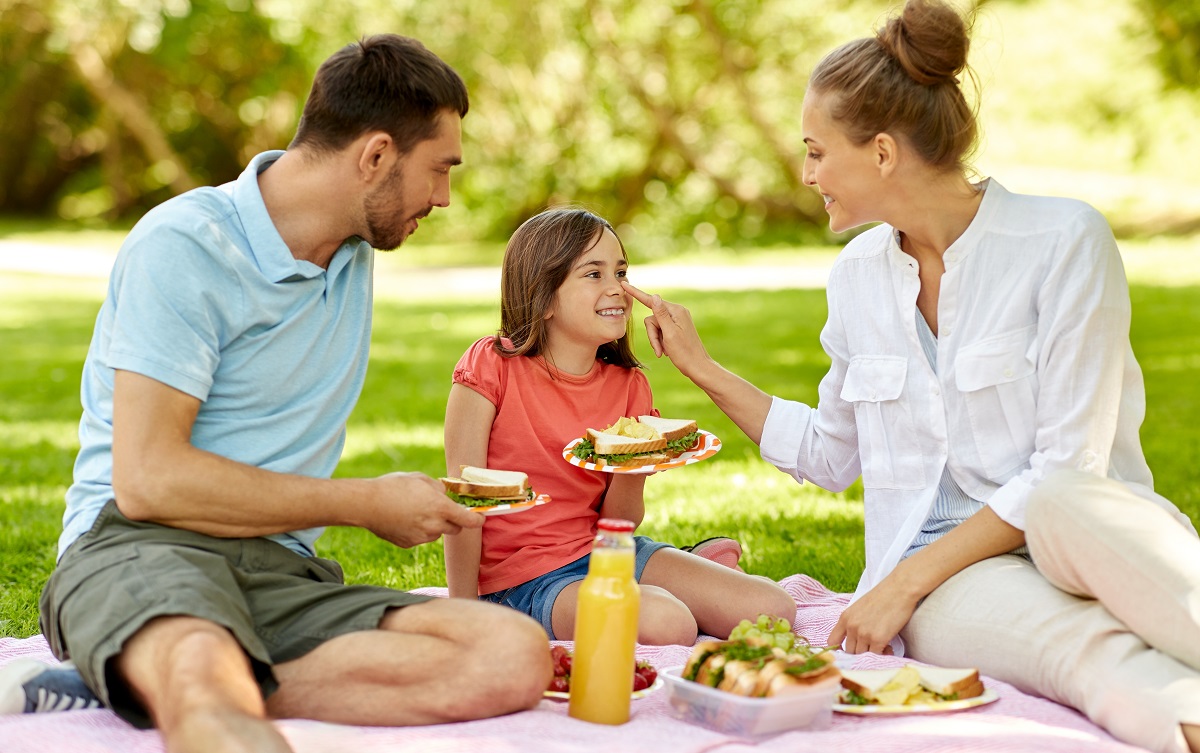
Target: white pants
[(1108, 622)]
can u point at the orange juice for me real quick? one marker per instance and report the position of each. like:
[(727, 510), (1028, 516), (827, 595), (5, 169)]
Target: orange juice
[(606, 618)]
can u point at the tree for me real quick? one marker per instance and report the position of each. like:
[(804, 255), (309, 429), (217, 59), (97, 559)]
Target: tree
[(1176, 25), (122, 107)]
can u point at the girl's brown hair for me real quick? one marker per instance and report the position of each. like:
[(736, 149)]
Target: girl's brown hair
[(906, 80), (536, 262)]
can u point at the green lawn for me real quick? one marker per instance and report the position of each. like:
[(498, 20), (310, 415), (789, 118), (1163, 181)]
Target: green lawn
[(769, 337)]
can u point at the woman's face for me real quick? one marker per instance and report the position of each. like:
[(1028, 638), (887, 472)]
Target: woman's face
[(846, 174)]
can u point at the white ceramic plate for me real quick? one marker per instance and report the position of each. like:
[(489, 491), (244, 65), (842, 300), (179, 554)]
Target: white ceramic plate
[(710, 445), (540, 499), (560, 696), (988, 696)]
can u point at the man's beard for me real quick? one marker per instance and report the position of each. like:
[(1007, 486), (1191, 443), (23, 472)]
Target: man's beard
[(385, 231)]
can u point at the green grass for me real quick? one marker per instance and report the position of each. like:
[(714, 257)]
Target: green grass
[(769, 337)]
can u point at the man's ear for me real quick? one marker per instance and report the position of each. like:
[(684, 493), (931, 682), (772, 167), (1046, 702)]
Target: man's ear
[(376, 157), (886, 153)]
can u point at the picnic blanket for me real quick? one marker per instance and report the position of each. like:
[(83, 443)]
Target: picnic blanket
[(1017, 722)]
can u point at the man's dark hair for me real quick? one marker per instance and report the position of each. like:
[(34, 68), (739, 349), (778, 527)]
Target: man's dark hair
[(384, 82)]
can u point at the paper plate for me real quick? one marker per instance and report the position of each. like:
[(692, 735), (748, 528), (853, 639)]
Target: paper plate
[(540, 499), (556, 695), (938, 707), (710, 445)]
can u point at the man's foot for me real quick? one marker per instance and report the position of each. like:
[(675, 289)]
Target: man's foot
[(28, 686), (719, 549)]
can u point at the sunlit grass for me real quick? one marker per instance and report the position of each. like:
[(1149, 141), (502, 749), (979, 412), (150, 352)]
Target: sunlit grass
[(771, 337)]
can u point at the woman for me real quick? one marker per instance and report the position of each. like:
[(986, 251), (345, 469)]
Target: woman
[(983, 385)]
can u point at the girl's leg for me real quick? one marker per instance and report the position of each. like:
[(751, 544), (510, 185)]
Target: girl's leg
[(717, 596), (1002, 616), (663, 620)]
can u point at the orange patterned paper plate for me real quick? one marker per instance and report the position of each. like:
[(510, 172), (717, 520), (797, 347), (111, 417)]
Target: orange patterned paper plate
[(540, 499), (710, 445)]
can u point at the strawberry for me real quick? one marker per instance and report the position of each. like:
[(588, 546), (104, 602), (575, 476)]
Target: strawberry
[(646, 671), (561, 658)]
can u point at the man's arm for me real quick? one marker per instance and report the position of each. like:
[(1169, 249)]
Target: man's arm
[(159, 476)]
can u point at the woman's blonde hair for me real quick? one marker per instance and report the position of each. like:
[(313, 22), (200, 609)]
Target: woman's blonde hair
[(906, 80)]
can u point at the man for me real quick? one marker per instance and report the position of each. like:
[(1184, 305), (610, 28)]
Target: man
[(224, 364)]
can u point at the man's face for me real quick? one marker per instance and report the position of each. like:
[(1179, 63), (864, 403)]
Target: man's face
[(419, 182)]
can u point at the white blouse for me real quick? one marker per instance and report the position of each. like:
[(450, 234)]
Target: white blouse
[(1034, 373)]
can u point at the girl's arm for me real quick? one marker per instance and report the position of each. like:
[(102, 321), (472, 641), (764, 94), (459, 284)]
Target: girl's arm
[(469, 418), (870, 623), (624, 498)]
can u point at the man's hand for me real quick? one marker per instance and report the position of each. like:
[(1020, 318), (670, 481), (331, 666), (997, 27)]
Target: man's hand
[(870, 623), (412, 509), (671, 331)]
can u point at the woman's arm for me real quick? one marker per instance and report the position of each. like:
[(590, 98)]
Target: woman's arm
[(672, 332), (624, 498), (870, 623), (469, 418)]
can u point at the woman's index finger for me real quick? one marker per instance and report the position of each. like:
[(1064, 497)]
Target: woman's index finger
[(640, 296)]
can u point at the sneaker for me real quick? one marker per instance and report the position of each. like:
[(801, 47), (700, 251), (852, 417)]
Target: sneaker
[(28, 686), (719, 549)]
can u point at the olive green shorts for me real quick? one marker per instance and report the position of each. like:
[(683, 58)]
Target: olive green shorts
[(121, 574)]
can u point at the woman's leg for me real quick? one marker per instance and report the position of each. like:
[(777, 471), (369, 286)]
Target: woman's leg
[(1002, 616), (1095, 538)]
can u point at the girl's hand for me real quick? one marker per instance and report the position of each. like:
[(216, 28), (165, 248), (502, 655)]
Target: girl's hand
[(671, 330), (870, 623)]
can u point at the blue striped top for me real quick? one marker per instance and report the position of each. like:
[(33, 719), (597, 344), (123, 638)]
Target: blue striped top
[(952, 505)]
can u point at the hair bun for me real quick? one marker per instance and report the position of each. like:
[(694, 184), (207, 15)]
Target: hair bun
[(930, 41)]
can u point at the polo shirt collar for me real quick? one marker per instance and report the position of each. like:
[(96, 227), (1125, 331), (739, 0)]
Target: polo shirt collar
[(271, 254)]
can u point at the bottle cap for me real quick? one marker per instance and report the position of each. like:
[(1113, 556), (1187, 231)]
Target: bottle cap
[(617, 525)]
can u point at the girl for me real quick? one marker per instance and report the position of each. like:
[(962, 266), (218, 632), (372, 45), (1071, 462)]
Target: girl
[(983, 384), (561, 363)]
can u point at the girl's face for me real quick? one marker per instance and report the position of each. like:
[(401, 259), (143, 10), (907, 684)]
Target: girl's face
[(846, 174), (590, 307)]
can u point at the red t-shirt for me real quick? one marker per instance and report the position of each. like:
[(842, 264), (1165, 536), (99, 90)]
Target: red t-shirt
[(537, 415)]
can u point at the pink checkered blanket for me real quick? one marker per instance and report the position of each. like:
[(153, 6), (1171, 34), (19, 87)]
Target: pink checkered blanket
[(1016, 723)]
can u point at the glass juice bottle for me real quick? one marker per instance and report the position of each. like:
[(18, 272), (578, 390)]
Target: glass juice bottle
[(606, 618)]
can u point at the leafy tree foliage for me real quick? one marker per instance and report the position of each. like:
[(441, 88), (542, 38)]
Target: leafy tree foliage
[(676, 119), (1176, 24)]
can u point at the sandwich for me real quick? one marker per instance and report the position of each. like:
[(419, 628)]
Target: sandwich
[(909, 685), (484, 487), (644, 440), (753, 668)]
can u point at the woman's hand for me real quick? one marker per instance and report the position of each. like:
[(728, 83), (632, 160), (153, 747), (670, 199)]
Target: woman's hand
[(671, 331), (870, 623)]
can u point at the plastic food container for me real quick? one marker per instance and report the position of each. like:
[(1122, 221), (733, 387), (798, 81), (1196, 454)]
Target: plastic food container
[(807, 709)]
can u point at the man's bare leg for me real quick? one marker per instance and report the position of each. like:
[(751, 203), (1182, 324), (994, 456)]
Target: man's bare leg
[(439, 661), (196, 682)]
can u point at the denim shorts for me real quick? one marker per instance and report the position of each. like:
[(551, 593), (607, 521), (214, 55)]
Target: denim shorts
[(536, 597)]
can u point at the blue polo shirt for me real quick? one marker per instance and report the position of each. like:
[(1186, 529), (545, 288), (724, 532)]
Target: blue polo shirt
[(205, 297)]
